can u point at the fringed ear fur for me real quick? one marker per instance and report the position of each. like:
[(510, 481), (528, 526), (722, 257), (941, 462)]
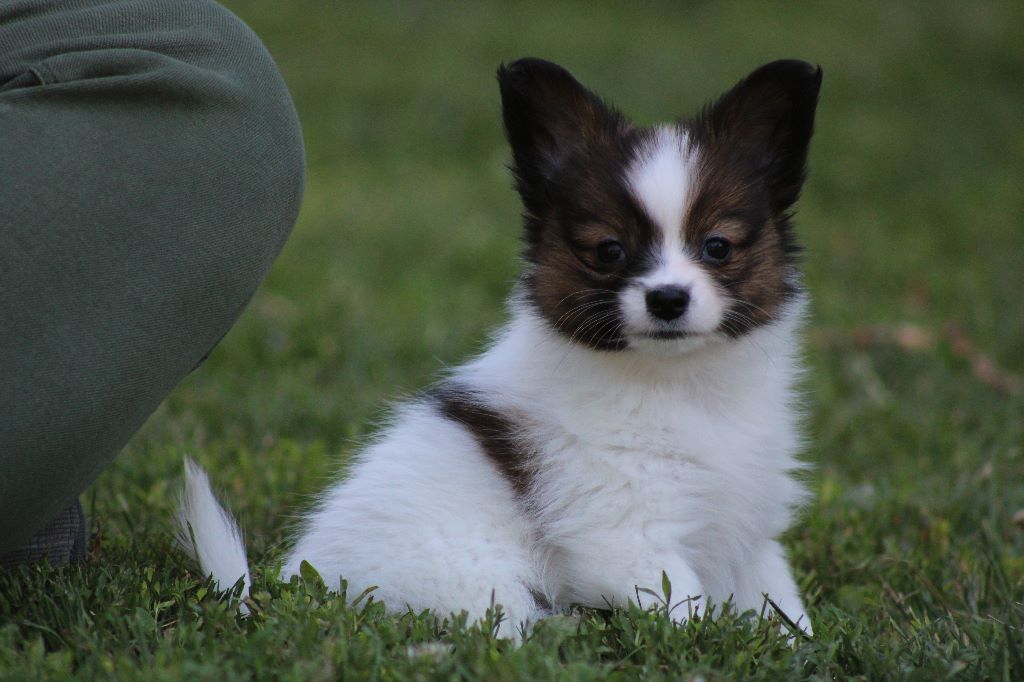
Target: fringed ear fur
[(765, 124), (549, 116)]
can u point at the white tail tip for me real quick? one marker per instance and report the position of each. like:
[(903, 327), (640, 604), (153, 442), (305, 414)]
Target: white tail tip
[(209, 534)]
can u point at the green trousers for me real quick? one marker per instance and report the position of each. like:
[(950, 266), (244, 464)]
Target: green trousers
[(151, 168)]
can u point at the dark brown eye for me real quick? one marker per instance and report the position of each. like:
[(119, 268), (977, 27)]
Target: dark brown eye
[(610, 254), (716, 250)]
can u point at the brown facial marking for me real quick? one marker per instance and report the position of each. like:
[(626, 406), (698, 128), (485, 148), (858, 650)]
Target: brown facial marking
[(570, 152), (587, 203), (752, 145), (758, 276)]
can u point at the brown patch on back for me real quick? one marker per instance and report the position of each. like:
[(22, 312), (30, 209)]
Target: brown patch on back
[(496, 434)]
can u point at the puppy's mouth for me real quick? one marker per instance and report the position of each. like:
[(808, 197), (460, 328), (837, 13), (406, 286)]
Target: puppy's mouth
[(667, 334)]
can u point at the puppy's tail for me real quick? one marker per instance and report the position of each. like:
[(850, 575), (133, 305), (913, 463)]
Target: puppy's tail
[(209, 534)]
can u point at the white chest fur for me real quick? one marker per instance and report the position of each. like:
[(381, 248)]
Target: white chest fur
[(645, 464), (637, 465)]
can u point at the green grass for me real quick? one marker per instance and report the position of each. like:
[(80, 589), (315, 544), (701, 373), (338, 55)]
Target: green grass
[(914, 223)]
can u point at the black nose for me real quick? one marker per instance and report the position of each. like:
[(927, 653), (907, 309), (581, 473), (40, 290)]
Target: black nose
[(668, 303)]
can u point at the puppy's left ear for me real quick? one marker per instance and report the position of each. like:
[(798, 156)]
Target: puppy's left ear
[(765, 123)]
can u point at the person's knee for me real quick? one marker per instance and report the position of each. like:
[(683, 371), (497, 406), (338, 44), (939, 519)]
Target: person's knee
[(272, 152), (187, 69), (152, 175), (241, 122)]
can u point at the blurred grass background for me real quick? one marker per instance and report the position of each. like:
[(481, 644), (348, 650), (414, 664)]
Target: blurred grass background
[(913, 219)]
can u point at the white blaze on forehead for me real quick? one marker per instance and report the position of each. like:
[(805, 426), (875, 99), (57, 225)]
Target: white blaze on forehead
[(660, 178)]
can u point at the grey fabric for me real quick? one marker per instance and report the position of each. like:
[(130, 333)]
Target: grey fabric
[(151, 168), (62, 541)]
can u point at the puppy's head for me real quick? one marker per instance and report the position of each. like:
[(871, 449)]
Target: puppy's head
[(659, 238)]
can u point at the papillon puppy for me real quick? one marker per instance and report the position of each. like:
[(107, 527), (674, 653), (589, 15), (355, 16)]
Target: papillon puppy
[(637, 415)]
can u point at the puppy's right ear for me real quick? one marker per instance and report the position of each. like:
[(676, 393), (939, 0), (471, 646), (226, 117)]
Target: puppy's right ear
[(548, 116)]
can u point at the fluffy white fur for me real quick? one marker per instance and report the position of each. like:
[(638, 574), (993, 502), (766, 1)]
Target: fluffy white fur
[(644, 467), (208, 534), (673, 455)]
